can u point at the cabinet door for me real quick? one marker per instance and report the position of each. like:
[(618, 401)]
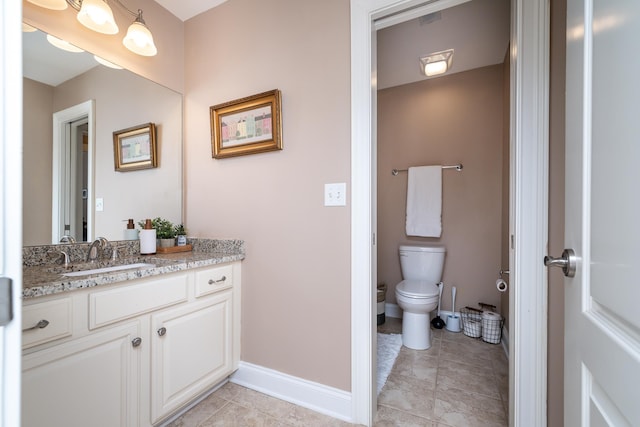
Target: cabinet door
[(191, 351), (91, 381)]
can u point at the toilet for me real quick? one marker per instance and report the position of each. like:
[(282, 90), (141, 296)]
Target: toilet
[(417, 294)]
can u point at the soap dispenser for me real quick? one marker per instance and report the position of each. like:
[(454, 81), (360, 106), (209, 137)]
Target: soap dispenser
[(148, 239), (130, 233)]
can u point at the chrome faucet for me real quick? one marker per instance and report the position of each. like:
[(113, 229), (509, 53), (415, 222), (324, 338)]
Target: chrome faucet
[(96, 248)]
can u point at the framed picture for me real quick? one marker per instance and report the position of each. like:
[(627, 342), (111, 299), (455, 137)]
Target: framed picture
[(134, 148), (247, 126)]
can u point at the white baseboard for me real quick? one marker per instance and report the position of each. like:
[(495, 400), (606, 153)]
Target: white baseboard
[(317, 397), (392, 310)]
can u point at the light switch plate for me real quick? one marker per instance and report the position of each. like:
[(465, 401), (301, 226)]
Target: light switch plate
[(335, 194), (99, 204)]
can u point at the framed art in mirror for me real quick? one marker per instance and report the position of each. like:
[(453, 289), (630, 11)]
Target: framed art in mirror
[(247, 125), (135, 148)]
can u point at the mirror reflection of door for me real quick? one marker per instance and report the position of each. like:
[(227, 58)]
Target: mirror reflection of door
[(72, 186)]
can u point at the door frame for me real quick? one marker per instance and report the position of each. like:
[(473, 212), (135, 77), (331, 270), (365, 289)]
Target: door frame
[(11, 206), (529, 117), (61, 198)]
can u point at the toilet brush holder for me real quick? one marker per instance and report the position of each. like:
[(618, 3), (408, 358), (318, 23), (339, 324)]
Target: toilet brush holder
[(453, 323)]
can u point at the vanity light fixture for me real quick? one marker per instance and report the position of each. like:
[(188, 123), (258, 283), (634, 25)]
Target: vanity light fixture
[(98, 16), (436, 63), (50, 4), (63, 44), (139, 39), (106, 63)]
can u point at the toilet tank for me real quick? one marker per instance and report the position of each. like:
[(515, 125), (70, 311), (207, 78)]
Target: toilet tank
[(422, 262)]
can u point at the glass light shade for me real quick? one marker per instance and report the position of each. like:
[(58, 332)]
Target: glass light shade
[(435, 68), (436, 63), (139, 40), (63, 44), (50, 4), (26, 28), (106, 63), (97, 16)]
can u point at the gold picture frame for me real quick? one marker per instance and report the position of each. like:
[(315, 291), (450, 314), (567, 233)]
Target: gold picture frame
[(247, 126), (135, 148)]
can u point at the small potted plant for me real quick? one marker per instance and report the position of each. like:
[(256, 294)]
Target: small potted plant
[(181, 235), (165, 232)]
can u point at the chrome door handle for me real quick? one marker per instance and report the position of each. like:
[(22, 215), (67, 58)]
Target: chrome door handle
[(136, 342), (567, 262), (162, 331)]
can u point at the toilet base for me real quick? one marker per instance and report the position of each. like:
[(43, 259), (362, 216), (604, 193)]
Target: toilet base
[(416, 332)]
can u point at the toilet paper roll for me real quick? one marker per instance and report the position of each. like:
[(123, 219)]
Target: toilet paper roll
[(501, 285)]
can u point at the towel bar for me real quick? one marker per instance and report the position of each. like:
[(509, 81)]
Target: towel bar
[(457, 167)]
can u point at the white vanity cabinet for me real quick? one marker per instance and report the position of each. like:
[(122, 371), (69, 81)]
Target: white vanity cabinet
[(90, 381), (131, 354)]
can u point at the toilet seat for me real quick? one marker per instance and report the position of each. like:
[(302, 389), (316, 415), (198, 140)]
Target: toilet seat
[(417, 289)]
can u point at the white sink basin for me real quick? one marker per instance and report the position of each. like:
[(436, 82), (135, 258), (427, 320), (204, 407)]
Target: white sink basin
[(109, 269)]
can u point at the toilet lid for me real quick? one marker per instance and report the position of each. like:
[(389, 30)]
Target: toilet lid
[(417, 289)]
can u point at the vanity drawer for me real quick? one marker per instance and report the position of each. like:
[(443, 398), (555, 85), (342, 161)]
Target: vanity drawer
[(213, 279), (113, 305), (46, 321)]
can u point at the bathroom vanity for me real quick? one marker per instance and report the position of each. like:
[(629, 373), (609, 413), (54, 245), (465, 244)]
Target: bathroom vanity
[(129, 347)]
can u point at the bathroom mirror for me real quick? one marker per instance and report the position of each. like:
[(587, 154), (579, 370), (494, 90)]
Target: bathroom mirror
[(98, 199)]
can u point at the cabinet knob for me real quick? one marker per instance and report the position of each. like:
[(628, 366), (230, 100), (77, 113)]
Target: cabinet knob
[(162, 331), (40, 325), (136, 342), (211, 281)]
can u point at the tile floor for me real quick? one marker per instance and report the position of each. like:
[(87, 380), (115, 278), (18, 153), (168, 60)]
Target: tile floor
[(458, 382)]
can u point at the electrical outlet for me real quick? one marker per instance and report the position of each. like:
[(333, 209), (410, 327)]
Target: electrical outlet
[(99, 204), (335, 194)]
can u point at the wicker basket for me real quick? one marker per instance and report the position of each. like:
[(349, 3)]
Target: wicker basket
[(492, 327), (471, 322)]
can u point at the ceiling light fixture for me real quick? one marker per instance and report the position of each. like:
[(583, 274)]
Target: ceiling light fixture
[(436, 63), (98, 16)]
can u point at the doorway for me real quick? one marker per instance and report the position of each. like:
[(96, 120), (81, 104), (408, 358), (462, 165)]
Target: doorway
[(72, 192), (528, 211), (458, 117)]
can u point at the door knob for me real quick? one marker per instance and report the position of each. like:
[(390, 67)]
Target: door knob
[(567, 261)]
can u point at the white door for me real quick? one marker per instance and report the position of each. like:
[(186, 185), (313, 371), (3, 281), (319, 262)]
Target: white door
[(10, 210), (602, 315)]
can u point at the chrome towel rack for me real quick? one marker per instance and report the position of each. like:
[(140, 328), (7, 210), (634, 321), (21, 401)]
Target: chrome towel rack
[(457, 167)]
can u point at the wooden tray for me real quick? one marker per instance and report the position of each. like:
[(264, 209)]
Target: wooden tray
[(174, 249)]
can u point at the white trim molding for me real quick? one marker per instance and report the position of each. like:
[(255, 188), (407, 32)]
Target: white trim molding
[(317, 397), (529, 212)]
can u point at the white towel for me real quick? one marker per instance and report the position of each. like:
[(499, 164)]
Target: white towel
[(424, 201)]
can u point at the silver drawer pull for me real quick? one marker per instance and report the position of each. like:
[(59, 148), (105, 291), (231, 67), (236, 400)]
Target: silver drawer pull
[(162, 331), (136, 342), (211, 281), (40, 325)]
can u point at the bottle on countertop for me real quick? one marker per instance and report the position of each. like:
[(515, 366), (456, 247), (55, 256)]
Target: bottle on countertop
[(148, 239), (130, 233)]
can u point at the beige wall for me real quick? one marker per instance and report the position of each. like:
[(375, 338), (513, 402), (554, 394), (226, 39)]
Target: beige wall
[(447, 120), (555, 373), (128, 100), (296, 277), (166, 68), (36, 177)]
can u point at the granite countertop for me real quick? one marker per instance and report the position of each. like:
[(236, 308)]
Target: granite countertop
[(49, 279)]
